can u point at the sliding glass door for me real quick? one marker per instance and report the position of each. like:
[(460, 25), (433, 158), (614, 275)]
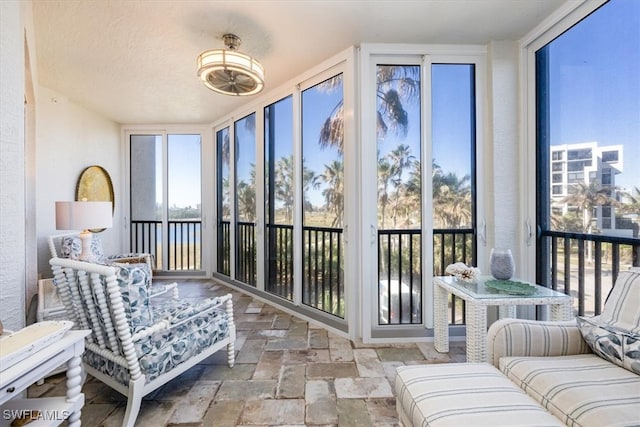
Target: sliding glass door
[(425, 127), (323, 196), (165, 199), (279, 190)]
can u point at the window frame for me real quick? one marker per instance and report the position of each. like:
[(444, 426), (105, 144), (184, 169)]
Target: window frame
[(563, 19), (426, 56), (164, 131)]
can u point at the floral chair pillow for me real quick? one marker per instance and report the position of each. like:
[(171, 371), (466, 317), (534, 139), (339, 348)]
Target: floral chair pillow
[(135, 283), (71, 247)]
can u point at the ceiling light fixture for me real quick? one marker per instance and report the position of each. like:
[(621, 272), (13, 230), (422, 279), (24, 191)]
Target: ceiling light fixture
[(230, 72)]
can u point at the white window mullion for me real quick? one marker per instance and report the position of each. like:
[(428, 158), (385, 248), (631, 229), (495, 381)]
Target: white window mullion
[(165, 202), (260, 202), (298, 271), (232, 199), (427, 193)]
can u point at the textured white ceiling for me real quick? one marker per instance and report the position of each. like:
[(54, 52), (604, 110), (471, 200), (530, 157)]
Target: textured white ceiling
[(134, 61)]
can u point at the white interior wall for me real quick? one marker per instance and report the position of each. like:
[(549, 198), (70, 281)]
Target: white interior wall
[(502, 174), (69, 139), (504, 193), (12, 170), (30, 90)]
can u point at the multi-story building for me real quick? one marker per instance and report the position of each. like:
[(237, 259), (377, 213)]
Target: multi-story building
[(587, 163)]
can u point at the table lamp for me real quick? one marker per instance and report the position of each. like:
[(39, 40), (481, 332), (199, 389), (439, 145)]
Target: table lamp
[(84, 215)]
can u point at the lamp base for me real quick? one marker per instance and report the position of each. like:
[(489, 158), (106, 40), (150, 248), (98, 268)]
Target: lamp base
[(85, 238)]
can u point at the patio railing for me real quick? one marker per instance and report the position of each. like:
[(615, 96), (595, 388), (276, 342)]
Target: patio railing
[(584, 265), (400, 266), (280, 260), (183, 243), (323, 273)]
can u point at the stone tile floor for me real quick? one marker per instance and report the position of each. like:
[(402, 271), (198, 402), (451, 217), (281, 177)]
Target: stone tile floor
[(287, 373)]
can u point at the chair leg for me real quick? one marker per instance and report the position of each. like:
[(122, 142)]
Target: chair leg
[(231, 354), (134, 400)]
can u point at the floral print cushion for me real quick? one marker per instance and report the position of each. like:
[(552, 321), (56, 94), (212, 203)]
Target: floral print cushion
[(71, 247), (614, 335), (613, 344), (134, 281), (106, 366), (164, 350), (131, 257), (177, 311)]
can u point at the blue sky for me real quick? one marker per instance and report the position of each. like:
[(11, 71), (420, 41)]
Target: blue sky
[(595, 84), (184, 162)]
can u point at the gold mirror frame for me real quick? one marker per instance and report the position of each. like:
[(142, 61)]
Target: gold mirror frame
[(94, 184)]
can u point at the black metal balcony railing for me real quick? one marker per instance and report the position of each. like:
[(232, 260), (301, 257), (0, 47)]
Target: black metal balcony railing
[(399, 277), (183, 243), (451, 246), (322, 286), (146, 237), (246, 253), (223, 251), (584, 265), (280, 260), (323, 270), (399, 271)]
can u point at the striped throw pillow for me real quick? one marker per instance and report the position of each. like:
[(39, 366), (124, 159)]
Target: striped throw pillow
[(622, 309)]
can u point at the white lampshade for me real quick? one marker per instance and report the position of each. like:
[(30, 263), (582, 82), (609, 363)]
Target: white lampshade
[(83, 215)]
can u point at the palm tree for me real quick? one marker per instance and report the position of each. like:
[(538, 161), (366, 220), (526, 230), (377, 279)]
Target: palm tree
[(310, 181), (586, 197), (246, 197), (246, 201), (385, 172), (283, 190), (399, 158), (332, 131), (396, 87), (333, 194), (452, 200), (631, 204), (412, 200)]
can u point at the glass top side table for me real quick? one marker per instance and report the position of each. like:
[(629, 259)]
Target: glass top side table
[(478, 296)]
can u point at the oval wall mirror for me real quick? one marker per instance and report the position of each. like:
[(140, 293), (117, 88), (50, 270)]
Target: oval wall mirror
[(94, 184)]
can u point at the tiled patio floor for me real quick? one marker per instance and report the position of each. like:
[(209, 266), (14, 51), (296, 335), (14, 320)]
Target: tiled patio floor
[(287, 372)]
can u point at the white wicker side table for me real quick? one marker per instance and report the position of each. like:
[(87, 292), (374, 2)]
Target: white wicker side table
[(478, 297)]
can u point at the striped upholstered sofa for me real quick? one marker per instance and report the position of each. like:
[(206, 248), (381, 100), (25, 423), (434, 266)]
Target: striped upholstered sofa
[(584, 372)]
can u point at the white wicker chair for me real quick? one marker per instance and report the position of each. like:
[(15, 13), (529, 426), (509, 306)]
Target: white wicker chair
[(136, 346)]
